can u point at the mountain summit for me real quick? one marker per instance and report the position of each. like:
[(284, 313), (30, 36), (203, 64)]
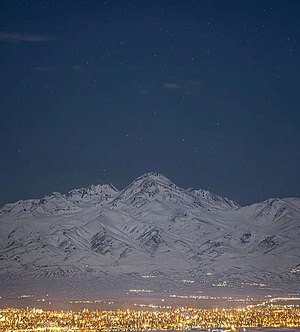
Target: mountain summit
[(155, 187), (150, 228)]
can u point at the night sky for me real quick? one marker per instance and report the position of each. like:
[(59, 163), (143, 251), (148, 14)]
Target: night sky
[(205, 92)]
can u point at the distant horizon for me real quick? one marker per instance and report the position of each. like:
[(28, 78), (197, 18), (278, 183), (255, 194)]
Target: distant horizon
[(119, 188)]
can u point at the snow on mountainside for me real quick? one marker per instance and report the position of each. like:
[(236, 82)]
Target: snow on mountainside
[(56, 202), (154, 187), (152, 227), (215, 201)]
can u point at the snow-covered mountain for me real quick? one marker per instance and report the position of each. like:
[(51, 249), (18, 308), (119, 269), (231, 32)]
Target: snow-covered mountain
[(151, 230)]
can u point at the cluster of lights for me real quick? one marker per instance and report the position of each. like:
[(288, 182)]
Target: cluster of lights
[(246, 284), (89, 302), (24, 296), (295, 270), (254, 284), (278, 299), (186, 281), (182, 318), (152, 306), (140, 291), (223, 284), (207, 297)]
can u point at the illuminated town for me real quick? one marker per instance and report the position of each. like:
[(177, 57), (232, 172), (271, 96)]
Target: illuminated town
[(180, 318)]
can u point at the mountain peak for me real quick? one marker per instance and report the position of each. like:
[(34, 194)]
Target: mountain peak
[(154, 176), (150, 187)]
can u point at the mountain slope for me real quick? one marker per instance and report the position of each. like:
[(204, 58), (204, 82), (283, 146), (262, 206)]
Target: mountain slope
[(151, 228)]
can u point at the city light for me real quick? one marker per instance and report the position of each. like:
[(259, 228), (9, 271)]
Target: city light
[(180, 318)]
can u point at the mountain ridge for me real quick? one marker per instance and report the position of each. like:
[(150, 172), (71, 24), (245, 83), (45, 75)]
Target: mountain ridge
[(151, 227), (98, 188)]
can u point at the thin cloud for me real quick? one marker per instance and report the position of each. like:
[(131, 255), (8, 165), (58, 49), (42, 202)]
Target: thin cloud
[(14, 37), (189, 87), (171, 86), (78, 68)]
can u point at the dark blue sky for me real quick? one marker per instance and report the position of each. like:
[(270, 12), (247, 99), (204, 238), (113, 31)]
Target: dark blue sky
[(206, 92)]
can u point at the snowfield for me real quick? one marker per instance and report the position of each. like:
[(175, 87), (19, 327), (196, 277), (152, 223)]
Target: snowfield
[(153, 234)]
